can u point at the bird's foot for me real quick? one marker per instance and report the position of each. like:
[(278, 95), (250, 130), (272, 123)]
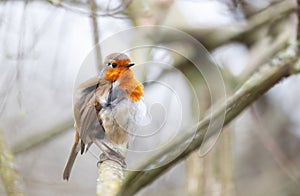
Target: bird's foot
[(116, 157)]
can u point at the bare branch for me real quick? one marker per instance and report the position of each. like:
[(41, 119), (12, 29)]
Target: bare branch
[(244, 32), (83, 9), (110, 177), (44, 136), (93, 10)]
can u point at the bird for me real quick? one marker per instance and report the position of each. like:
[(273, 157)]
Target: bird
[(107, 109)]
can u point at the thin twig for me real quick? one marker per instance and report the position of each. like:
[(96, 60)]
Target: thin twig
[(93, 9), (81, 8)]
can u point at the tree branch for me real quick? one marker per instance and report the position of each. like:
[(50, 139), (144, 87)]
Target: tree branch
[(110, 177), (259, 83), (93, 10), (43, 136), (13, 183), (296, 68)]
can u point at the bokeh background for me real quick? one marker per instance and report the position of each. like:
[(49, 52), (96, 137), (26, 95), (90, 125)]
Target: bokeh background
[(45, 44)]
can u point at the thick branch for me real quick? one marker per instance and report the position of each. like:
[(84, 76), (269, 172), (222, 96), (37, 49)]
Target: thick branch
[(259, 83), (12, 181), (110, 177), (296, 68)]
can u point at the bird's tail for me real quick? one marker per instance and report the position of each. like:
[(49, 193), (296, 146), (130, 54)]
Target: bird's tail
[(72, 157)]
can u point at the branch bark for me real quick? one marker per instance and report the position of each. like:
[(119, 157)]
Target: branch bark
[(110, 177), (13, 183), (271, 73)]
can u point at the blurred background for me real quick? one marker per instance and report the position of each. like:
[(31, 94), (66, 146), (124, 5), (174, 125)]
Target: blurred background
[(48, 47)]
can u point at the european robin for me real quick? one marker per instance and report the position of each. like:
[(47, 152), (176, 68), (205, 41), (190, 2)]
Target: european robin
[(106, 110)]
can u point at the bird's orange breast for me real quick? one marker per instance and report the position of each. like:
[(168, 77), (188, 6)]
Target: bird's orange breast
[(133, 88)]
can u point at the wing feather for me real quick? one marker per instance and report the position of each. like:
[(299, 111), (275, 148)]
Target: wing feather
[(87, 108)]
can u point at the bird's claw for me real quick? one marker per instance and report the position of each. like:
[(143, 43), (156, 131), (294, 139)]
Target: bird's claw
[(118, 158)]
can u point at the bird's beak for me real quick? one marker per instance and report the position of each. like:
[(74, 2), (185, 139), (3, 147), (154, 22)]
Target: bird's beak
[(130, 64)]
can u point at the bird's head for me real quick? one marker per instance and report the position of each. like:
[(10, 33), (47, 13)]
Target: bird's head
[(116, 64)]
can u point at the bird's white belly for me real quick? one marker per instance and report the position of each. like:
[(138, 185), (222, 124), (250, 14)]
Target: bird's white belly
[(120, 119)]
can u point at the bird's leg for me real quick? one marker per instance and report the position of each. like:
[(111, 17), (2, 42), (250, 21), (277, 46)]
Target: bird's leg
[(118, 154), (111, 155), (106, 155)]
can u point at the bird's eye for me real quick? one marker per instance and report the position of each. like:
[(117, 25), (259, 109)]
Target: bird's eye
[(114, 65)]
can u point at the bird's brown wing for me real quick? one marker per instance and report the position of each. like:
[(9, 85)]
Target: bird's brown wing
[(88, 107), (84, 111), (89, 122), (82, 96)]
